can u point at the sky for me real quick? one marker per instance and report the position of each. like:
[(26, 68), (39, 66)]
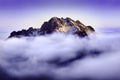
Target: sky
[(98, 62), (21, 14)]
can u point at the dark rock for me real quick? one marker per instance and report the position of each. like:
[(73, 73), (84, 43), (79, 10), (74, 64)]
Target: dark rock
[(23, 33), (91, 28), (81, 33), (56, 24)]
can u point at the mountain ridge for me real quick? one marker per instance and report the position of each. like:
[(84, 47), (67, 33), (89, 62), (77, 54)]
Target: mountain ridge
[(55, 24)]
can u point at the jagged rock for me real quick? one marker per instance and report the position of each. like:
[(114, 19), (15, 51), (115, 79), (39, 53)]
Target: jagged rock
[(56, 24), (30, 32)]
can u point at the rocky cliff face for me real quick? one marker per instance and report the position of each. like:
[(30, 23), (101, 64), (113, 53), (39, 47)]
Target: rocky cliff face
[(56, 24)]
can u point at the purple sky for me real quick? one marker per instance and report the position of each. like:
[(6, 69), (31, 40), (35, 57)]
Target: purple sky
[(17, 14), (21, 4)]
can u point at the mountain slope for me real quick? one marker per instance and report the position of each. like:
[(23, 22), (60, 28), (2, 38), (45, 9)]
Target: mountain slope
[(56, 24)]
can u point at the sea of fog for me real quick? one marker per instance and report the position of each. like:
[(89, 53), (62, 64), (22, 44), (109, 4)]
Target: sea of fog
[(62, 57)]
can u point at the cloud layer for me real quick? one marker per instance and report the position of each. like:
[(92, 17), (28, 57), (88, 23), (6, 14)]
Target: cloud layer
[(61, 56)]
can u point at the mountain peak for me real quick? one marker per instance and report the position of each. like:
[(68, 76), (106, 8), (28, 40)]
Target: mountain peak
[(55, 24), (66, 25)]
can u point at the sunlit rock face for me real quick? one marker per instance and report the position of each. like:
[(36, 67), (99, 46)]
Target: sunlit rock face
[(56, 24)]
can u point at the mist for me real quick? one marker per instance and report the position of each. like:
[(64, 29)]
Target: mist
[(61, 56)]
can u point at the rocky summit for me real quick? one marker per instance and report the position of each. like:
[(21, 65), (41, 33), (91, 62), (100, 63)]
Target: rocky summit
[(55, 24)]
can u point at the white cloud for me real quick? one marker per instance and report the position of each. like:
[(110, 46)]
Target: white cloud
[(37, 56)]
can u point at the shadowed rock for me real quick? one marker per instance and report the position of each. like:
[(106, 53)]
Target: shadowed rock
[(56, 24)]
